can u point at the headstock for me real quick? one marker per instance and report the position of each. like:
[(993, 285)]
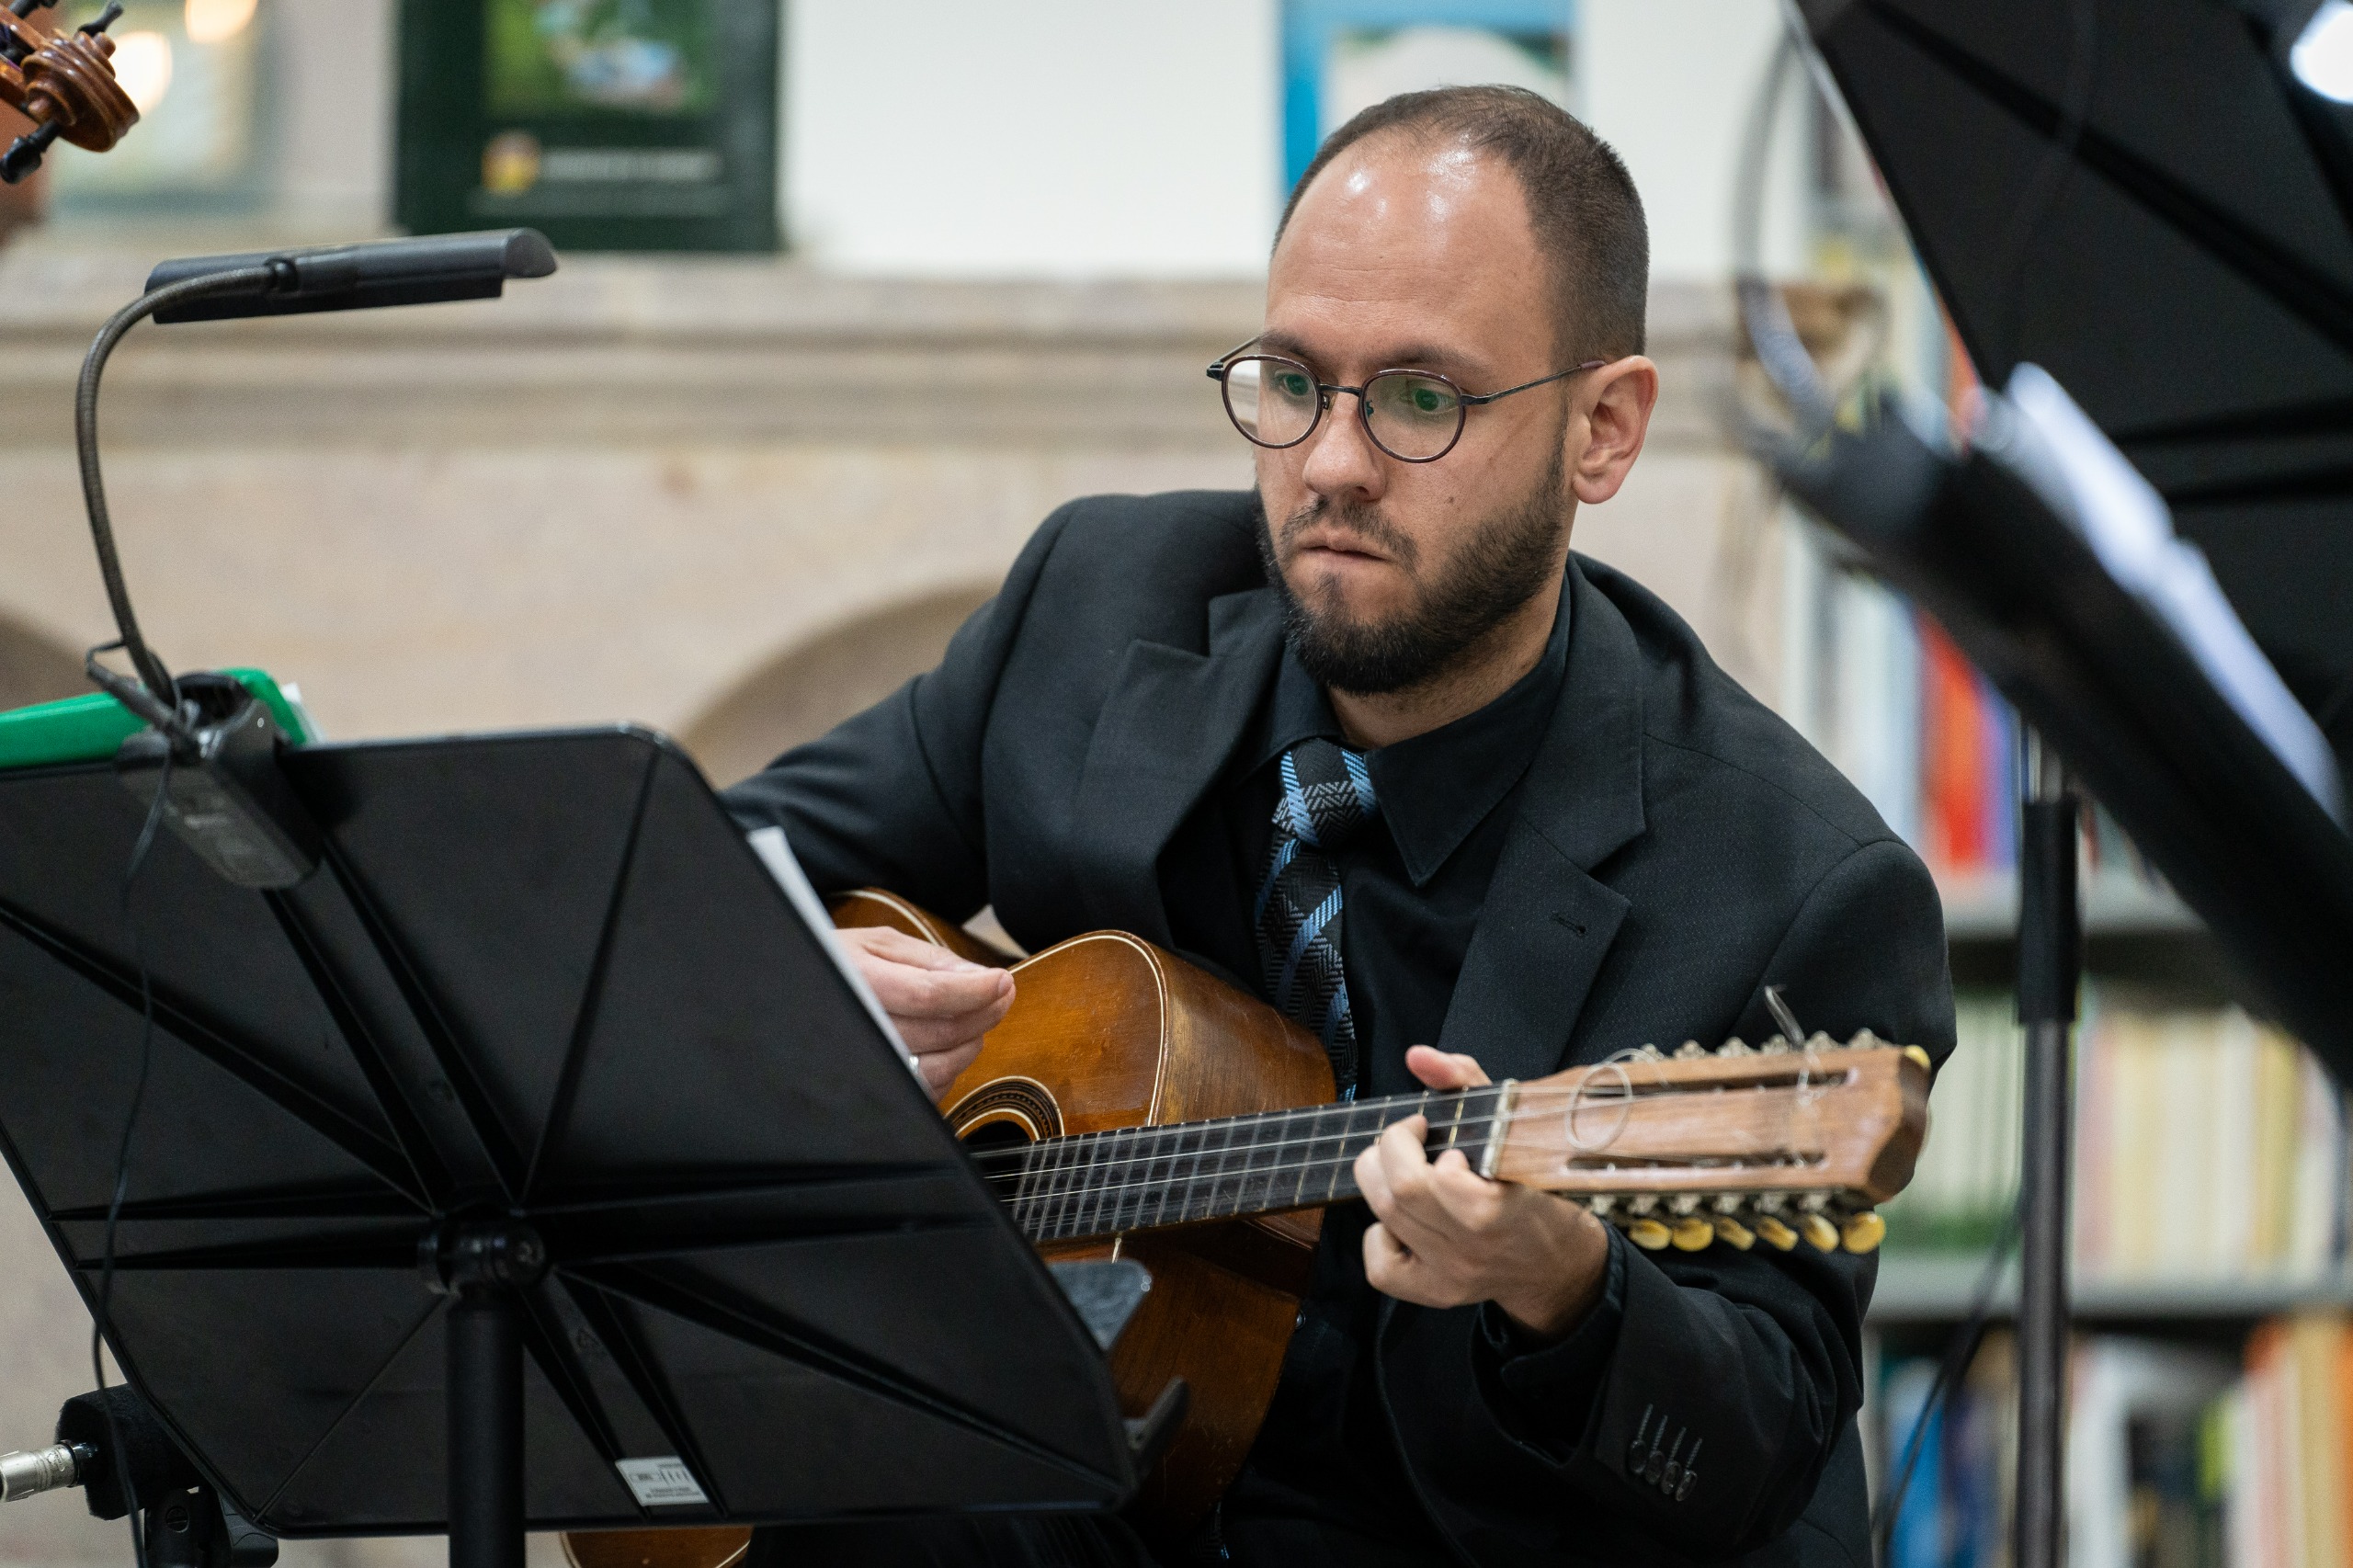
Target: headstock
[(1779, 1143), (63, 83)]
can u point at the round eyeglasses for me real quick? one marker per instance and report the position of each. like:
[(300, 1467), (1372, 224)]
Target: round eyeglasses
[(1414, 415)]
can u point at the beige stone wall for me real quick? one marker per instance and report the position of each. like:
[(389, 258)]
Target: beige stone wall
[(734, 500)]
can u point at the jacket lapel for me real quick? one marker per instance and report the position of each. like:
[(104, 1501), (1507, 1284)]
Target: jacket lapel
[(1165, 735), (1548, 923)]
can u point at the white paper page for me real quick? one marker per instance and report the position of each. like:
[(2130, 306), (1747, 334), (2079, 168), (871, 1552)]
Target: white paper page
[(2087, 481), (769, 844)]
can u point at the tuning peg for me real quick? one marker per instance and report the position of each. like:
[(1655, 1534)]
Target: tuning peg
[(1819, 1232), (1735, 1046), (1651, 1053), (1774, 1233), (1818, 1041), (1913, 1053), (1730, 1230), (1692, 1234), (1601, 1203), (1649, 1235), (1775, 1046), (1689, 1050), (1864, 1040), (1862, 1233)]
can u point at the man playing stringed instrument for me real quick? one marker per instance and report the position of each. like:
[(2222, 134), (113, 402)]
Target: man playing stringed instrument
[(1374, 744)]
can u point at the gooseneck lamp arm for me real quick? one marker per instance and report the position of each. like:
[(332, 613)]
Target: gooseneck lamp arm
[(162, 693)]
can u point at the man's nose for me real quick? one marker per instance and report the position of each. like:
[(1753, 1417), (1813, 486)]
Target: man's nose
[(1341, 458)]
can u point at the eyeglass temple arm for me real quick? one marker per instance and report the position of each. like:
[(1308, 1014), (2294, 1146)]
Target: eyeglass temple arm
[(1541, 380), (1216, 365)]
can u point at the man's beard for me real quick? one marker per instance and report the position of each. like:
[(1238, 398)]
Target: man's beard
[(1507, 560)]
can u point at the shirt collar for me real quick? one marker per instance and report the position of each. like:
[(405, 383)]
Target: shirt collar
[(1434, 788)]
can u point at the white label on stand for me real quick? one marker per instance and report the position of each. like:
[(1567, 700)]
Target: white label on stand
[(663, 1482)]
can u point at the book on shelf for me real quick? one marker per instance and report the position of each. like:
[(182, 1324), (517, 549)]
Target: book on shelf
[(2177, 1455), (2208, 1146)]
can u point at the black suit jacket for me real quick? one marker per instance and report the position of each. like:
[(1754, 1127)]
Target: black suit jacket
[(1676, 848)]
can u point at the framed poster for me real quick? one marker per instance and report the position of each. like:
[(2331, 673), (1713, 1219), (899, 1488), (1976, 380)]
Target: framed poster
[(1340, 56), (606, 124)]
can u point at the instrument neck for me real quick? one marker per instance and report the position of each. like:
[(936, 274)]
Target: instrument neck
[(1134, 1178)]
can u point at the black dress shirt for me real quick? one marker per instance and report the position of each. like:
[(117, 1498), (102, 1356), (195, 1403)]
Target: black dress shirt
[(1323, 1484)]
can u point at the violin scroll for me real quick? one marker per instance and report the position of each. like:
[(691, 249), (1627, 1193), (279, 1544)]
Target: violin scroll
[(63, 83)]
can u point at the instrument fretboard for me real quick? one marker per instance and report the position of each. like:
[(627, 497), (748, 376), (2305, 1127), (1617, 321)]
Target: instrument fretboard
[(1136, 1178)]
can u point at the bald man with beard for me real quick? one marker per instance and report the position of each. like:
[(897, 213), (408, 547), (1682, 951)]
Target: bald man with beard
[(1373, 743)]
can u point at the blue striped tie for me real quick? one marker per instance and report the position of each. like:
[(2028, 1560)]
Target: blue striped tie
[(1326, 800)]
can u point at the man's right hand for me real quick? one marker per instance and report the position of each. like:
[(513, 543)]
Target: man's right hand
[(941, 1004)]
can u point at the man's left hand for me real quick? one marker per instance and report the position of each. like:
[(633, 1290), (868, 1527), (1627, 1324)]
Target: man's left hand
[(1448, 1238)]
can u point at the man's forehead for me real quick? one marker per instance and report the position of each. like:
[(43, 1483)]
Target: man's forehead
[(1417, 252), (1396, 200)]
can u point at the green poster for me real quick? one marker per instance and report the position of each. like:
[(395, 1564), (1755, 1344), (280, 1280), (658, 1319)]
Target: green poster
[(609, 124)]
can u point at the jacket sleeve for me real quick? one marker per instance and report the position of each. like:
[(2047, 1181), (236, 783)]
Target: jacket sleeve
[(1740, 1372), (893, 797)]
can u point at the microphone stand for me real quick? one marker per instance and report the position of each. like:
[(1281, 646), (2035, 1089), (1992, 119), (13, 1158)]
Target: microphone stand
[(2050, 966)]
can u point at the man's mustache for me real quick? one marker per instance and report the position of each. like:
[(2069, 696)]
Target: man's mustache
[(1360, 522)]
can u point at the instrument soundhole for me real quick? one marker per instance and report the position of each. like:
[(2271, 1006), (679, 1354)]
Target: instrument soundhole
[(1005, 1112)]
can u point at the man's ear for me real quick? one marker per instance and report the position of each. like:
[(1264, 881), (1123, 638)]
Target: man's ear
[(1618, 417)]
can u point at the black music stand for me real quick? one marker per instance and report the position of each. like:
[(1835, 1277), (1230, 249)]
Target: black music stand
[(536, 1146)]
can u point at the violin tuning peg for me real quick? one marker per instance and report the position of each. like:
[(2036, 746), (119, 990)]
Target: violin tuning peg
[(1915, 1054), (1649, 1236), (1692, 1234), (1730, 1230), (1689, 1050), (1819, 1232), (1862, 1233), (1775, 1234)]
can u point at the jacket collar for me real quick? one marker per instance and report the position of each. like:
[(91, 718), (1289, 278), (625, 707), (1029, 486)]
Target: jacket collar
[(1172, 722), (1548, 923)]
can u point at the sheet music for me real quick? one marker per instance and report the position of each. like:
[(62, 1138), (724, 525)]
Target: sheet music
[(2054, 446), (769, 844)]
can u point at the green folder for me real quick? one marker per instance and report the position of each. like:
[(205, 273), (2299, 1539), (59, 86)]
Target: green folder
[(93, 727)]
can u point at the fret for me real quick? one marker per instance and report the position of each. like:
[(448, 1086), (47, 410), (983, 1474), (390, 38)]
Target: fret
[(1152, 1174), (1092, 1182), (1258, 1143), (1339, 1147), (1454, 1126), (1025, 1192), (1072, 1165), (1168, 1179), (1224, 1171), (1118, 1181), (1111, 1183)]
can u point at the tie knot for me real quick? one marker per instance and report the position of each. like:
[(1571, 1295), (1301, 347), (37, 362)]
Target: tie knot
[(1327, 794)]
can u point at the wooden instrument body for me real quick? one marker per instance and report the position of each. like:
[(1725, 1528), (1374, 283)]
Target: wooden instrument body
[(1110, 1031)]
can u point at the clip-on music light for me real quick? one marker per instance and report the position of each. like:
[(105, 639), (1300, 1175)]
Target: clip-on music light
[(211, 750)]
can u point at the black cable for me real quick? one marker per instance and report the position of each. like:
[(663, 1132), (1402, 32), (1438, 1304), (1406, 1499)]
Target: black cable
[(122, 1465), (152, 670), (1960, 1352)]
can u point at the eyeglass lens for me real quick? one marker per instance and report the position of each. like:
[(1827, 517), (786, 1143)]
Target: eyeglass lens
[(1276, 402)]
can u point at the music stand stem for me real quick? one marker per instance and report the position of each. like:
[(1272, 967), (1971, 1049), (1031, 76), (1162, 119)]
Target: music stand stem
[(2050, 967), (482, 1265)]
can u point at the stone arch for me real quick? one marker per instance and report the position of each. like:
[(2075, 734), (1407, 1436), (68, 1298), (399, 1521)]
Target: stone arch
[(815, 684), (36, 668)]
